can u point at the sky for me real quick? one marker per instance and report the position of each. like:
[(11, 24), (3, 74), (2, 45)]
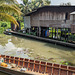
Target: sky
[(57, 2)]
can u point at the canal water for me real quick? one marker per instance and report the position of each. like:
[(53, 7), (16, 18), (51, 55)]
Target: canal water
[(33, 49)]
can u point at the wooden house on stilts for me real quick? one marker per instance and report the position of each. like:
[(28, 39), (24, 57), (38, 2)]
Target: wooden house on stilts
[(51, 21)]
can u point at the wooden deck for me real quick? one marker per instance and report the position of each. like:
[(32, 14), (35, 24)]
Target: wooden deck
[(45, 39)]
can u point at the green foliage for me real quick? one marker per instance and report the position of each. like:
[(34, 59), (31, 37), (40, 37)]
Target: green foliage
[(25, 2), (72, 37), (29, 6), (22, 25), (7, 9), (1, 30), (2, 24)]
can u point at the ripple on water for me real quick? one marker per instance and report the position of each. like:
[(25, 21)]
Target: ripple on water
[(35, 49)]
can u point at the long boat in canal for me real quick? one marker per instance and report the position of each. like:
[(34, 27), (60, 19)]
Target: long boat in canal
[(34, 67)]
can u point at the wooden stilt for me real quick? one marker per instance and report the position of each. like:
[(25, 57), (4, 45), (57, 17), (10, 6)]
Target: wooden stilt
[(65, 33), (60, 33), (39, 31), (55, 32), (52, 32)]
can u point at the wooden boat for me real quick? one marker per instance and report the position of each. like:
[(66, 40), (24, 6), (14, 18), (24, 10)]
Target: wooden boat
[(35, 67)]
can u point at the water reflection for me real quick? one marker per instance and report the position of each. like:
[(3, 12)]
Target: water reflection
[(37, 50)]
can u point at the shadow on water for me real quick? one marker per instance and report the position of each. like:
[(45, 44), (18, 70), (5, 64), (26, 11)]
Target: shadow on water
[(61, 47), (43, 49)]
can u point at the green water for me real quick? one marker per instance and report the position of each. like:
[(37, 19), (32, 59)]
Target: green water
[(36, 49)]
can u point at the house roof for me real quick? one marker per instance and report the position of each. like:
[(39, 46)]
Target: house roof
[(53, 8)]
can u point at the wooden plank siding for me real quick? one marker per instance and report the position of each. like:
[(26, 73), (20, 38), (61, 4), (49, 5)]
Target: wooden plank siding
[(72, 28), (46, 19), (53, 16), (35, 20)]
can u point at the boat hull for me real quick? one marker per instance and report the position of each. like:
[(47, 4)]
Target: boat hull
[(37, 66)]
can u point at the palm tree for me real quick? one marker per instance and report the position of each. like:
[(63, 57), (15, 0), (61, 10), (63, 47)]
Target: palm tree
[(29, 6), (7, 9)]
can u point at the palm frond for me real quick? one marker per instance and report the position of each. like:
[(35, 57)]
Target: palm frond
[(9, 1), (5, 8), (7, 17)]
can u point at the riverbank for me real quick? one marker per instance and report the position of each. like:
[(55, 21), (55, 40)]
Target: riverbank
[(44, 39)]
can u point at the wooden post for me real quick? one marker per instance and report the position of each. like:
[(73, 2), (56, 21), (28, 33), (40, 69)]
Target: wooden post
[(52, 69), (67, 70), (14, 60), (39, 66), (0, 56), (39, 31), (68, 35), (34, 66), (55, 32), (9, 59), (19, 62), (46, 67), (61, 33), (23, 62), (28, 64), (65, 33), (5, 59), (52, 32), (59, 69), (29, 30)]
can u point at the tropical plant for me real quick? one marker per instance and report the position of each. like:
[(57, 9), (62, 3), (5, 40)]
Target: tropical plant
[(29, 6), (39, 3), (4, 25), (7, 9)]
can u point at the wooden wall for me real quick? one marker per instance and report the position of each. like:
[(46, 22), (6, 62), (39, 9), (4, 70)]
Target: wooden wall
[(72, 28), (35, 19), (51, 16), (47, 15), (47, 19)]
